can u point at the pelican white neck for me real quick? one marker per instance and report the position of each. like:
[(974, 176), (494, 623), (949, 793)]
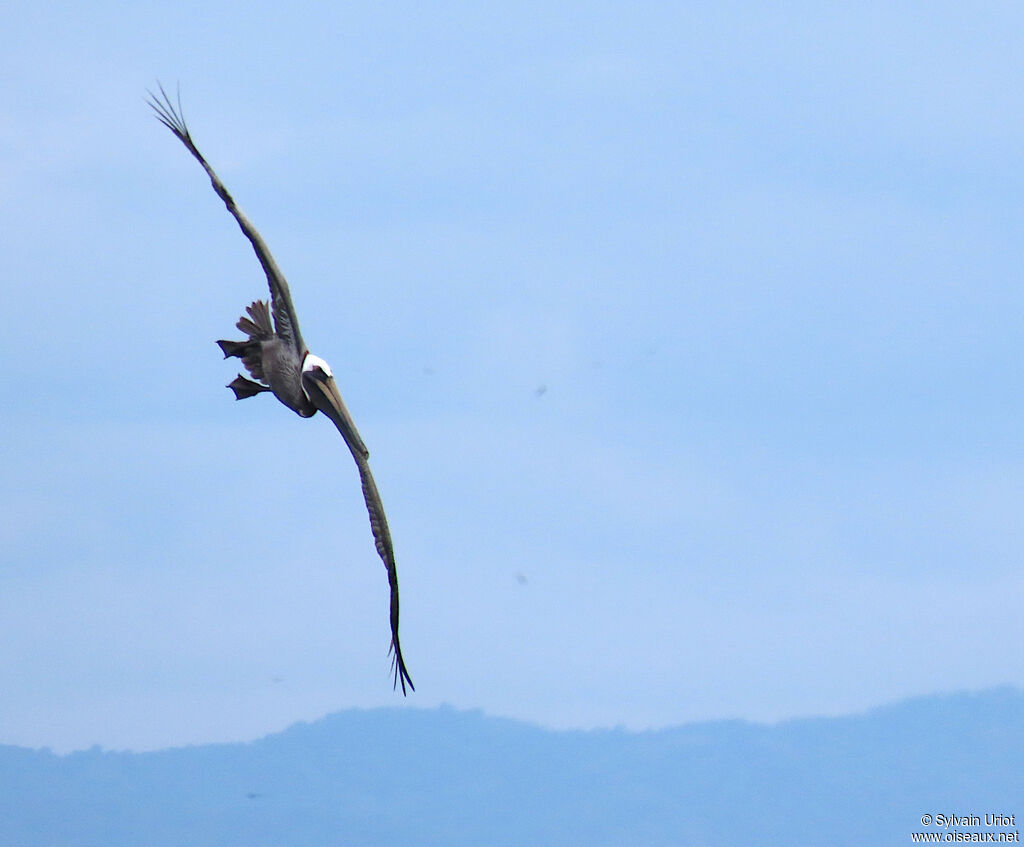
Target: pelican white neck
[(312, 363)]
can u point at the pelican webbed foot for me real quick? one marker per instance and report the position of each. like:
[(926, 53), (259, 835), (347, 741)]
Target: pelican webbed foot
[(234, 348), (245, 387)]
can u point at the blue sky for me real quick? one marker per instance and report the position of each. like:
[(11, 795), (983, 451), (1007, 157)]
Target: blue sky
[(685, 339)]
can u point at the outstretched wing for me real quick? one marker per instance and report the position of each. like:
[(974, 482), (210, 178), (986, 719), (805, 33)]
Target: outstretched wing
[(285, 322), (382, 540), (323, 392)]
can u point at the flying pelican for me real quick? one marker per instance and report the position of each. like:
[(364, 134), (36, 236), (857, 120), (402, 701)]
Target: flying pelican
[(278, 359)]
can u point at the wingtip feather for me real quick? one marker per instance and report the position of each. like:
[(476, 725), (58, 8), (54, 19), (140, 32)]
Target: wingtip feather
[(401, 673), (171, 116)]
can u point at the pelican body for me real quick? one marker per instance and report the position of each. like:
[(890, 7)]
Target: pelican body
[(278, 361)]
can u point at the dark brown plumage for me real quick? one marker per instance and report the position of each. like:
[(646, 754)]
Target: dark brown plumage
[(278, 361)]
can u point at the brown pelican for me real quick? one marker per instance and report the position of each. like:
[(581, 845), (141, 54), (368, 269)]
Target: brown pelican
[(279, 361)]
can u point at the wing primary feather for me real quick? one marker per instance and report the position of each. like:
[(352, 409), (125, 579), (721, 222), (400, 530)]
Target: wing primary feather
[(280, 295)]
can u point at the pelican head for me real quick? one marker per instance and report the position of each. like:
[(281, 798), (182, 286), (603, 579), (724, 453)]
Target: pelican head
[(319, 386), (315, 363)]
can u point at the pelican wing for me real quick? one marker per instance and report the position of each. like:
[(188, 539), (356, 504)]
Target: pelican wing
[(323, 392), (286, 324), (382, 540)]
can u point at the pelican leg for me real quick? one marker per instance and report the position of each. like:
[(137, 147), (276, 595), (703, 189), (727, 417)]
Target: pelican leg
[(245, 387), (234, 348)]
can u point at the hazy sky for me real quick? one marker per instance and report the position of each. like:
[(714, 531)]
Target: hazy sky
[(685, 338)]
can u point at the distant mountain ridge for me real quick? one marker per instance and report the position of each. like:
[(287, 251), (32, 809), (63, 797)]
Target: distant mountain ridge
[(445, 777)]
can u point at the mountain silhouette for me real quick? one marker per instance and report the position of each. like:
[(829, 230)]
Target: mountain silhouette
[(446, 777)]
